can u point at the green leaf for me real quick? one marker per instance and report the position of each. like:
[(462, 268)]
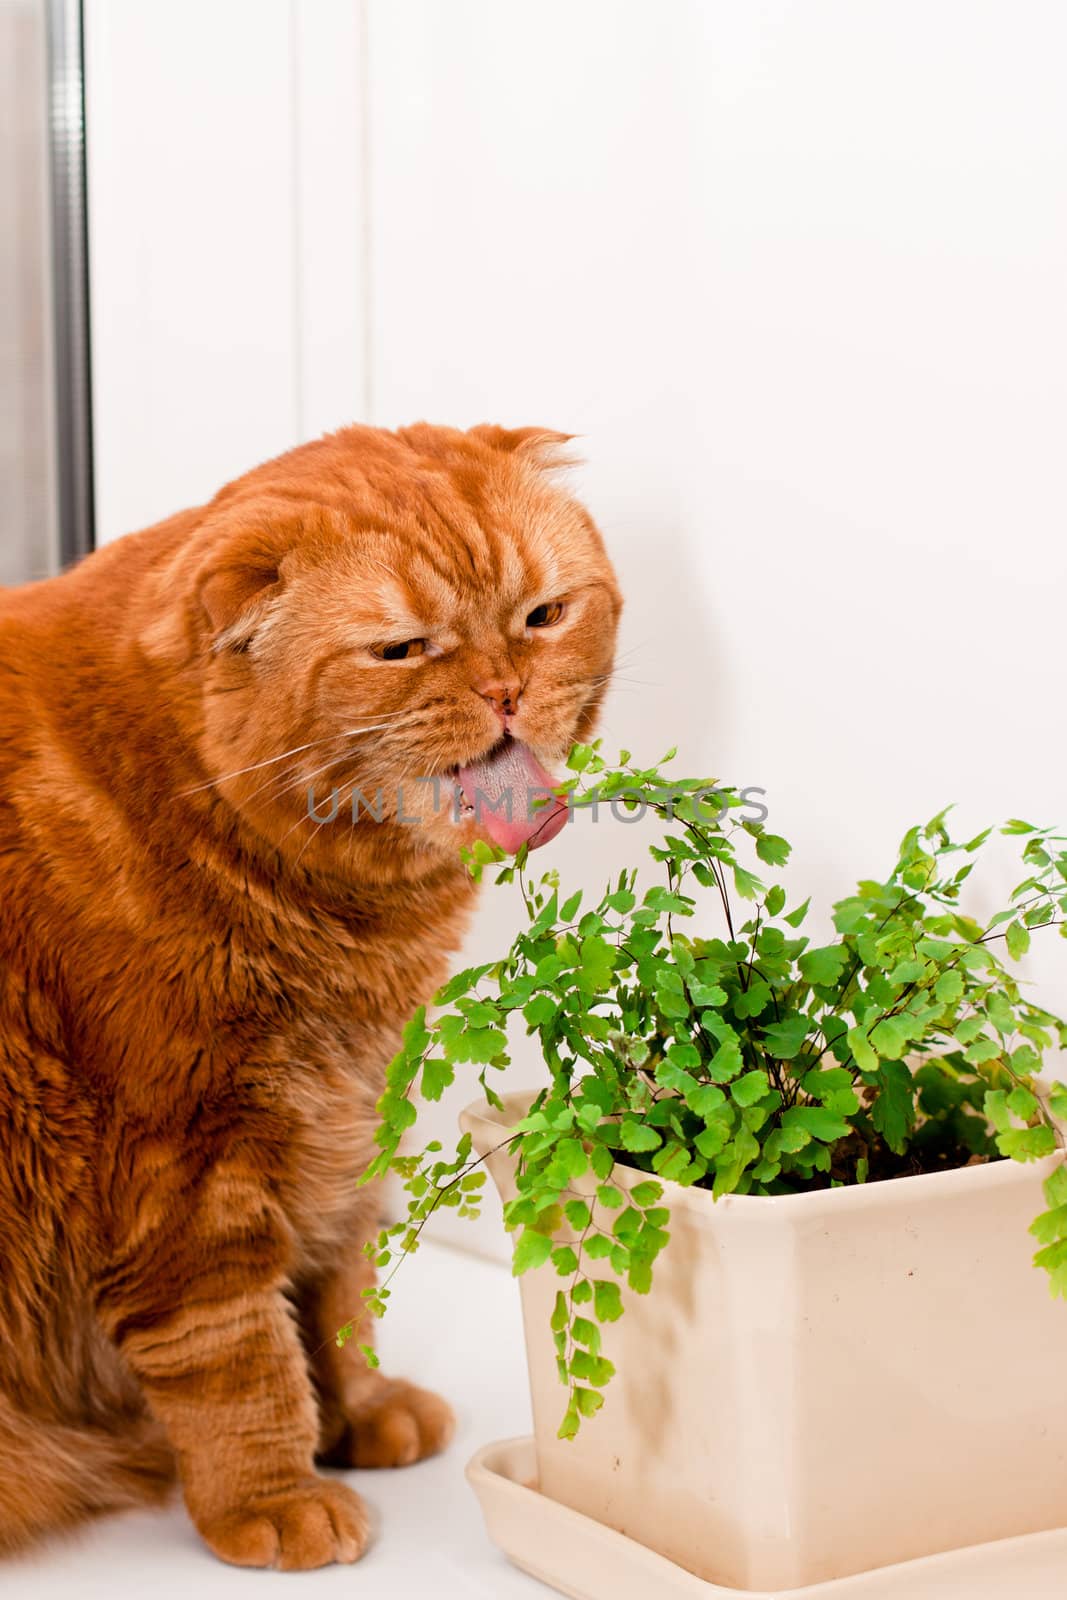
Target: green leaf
[(607, 1300), (1027, 1144), (864, 1054), (726, 1063), (968, 1029), (1055, 1186), (785, 1141), (672, 1003), (594, 1369), (832, 1087), (949, 987), (416, 1035), (684, 1055), (713, 1140), (602, 1161), (1022, 1104), (588, 1401), (580, 757), (775, 900), (571, 1154), (585, 1332), (795, 918), (646, 1194), (637, 1136), (749, 1088), (995, 1106), (597, 964), (773, 849), (480, 1045), (659, 899), (893, 1110), (639, 1276), (1050, 1225), (823, 967), (672, 1160), (753, 1000), (982, 1050), (568, 1428), (706, 1100), (817, 1121), (436, 1077), (889, 1038), (707, 994), (1000, 1013), (541, 1009), (746, 883), (1017, 939), (734, 1159), (786, 1039), (532, 1250)]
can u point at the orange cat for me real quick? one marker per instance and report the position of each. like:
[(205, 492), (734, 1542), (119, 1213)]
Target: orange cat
[(201, 983)]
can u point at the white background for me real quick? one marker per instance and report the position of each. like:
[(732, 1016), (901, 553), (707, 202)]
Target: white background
[(795, 273)]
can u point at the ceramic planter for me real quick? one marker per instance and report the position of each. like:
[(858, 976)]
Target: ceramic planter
[(818, 1384)]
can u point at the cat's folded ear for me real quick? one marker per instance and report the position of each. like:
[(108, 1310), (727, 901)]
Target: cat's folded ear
[(237, 590), (545, 447)]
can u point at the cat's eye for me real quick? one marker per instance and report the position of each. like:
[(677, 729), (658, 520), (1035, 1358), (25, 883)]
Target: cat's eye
[(399, 652), (544, 616)]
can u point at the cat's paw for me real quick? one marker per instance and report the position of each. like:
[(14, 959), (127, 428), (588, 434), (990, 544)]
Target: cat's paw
[(296, 1530), (394, 1425)]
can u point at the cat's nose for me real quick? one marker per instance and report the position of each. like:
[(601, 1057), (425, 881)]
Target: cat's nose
[(503, 694)]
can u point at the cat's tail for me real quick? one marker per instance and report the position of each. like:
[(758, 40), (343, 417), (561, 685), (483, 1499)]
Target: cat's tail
[(53, 1476)]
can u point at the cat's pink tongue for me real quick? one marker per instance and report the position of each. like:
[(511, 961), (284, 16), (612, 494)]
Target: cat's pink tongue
[(504, 790)]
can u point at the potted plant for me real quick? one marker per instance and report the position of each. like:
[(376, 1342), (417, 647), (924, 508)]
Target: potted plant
[(760, 1207)]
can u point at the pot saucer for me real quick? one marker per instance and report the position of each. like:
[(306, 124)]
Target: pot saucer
[(578, 1557)]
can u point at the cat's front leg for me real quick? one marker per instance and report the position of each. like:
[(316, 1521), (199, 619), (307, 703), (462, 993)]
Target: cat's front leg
[(200, 1314), (366, 1418)]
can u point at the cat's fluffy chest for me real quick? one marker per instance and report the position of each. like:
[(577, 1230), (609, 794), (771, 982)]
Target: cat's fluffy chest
[(326, 1095)]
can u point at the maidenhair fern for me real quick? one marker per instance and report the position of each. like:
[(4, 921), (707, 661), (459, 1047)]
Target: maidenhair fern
[(749, 1062)]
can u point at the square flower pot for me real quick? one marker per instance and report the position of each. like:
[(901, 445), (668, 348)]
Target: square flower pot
[(818, 1384)]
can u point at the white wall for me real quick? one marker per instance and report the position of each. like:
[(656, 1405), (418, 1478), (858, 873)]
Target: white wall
[(225, 168), (795, 273)]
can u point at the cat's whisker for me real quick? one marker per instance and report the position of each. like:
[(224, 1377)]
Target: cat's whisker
[(309, 816), (321, 823), (615, 676), (305, 816), (312, 835), (271, 761), (296, 780), (291, 781), (636, 648), (257, 765)]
